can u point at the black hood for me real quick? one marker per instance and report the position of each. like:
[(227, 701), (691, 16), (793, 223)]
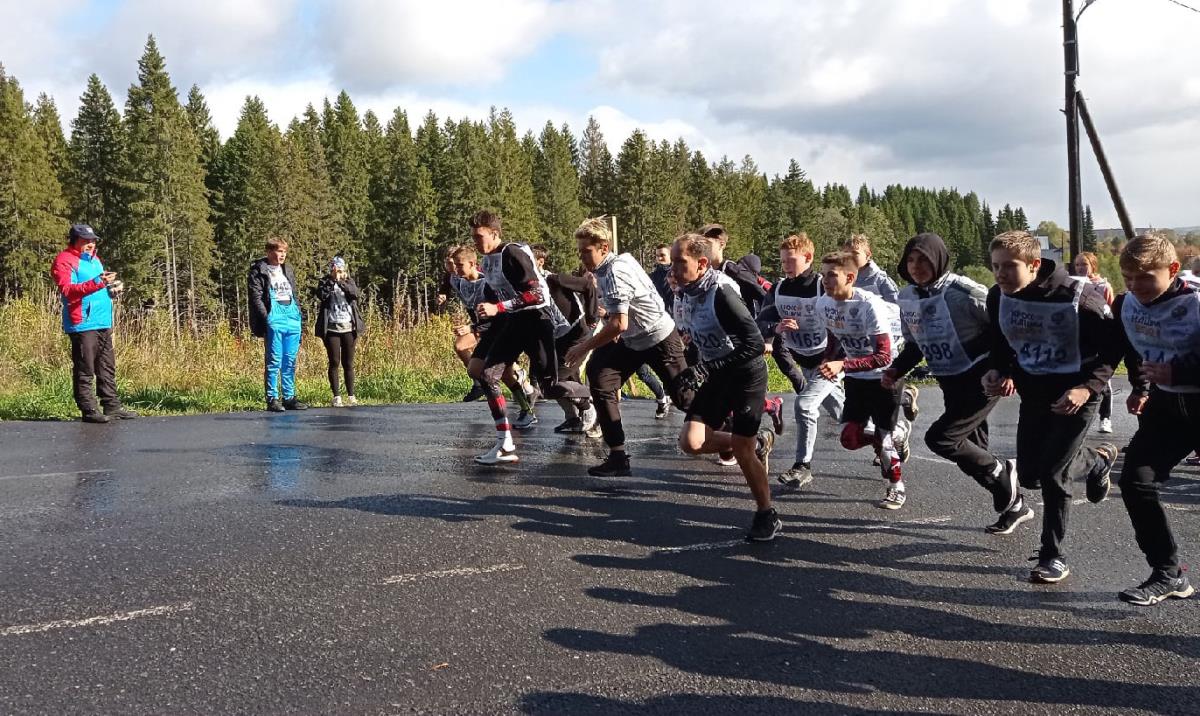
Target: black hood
[(931, 247), (751, 262)]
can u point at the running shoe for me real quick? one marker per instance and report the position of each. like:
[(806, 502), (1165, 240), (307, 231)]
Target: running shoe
[(589, 418), (500, 453), (1098, 482), (774, 408), (765, 526), (1105, 426), (663, 409), (799, 475), (615, 465), (893, 500), (903, 445), (121, 413), (1192, 460), (1160, 586), (766, 443), (570, 425), (726, 459), (1008, 521), (274, 405), (909, 401), (337, 402), (1048, 570), (351, 401), (294, 404), (95, 416), (475, 393), (526, 419)]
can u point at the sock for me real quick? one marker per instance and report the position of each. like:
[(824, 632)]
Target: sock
[(500, 414), (519, 395), (889, 459)]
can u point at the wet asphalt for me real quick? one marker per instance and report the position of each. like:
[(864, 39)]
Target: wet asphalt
[(357, 561)]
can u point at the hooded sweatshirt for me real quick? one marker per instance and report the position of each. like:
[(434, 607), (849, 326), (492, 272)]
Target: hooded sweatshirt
[(1044, 370), (873, 279), (965, 306)]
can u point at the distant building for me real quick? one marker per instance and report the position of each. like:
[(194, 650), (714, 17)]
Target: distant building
[(1053, 253)]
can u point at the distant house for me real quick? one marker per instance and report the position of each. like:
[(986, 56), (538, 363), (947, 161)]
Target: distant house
[(1053, 253)]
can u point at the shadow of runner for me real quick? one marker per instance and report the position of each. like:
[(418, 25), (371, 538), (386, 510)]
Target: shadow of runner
[(585, 705)]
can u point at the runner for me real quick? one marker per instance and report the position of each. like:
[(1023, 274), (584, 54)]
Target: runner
[(1087, 267), (863, 343), (528, 323), (637, 330), (1160, 331), (1055, 344), (730, 376), (468, 285), (798, 331), (945, 321)]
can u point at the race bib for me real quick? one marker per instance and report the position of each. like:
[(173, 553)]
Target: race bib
[(929, 322), (1045, 336)]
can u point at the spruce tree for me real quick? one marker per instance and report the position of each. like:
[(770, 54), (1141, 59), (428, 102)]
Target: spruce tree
[(32, 225), (346, 148), (510, 181), (1020, 222), (700, 191), (309, 212), (166, 245), (1088, 237), (633, 192), (556, 188), (48, 126), (597, 173), (97, 163)]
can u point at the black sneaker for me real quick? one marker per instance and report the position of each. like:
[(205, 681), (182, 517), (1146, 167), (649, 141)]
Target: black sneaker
[(1098, 483), (765, 526), (1160, 586), (1008, 521), (798, 476), (570, 425), (274, 405), (294, 404), (766, 442), (95, 417), (615, 465), (475, 393), (121, 413), (1049, 570)]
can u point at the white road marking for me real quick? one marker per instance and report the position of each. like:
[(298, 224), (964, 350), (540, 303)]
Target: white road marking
[(929, 459), (55, 474), (1181, 508), (460, 572), (97, 621), (700, 547), (918, 521)]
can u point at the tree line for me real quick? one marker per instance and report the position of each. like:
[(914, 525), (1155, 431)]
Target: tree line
[(182, 213)]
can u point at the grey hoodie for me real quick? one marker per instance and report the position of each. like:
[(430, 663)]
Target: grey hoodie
[(874, 279)]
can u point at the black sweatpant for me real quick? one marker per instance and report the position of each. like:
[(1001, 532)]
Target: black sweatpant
[(1051, 453), (532, 333), (1168, 430), (339, 348), (612, 364), (960, 435), (1106, 400), (93, 361)]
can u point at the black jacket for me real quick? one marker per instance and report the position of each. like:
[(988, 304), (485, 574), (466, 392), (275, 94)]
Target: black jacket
[(1099, 342), (659, 278), (562, 285), (259, 298), (325, 296), (1182, 373)]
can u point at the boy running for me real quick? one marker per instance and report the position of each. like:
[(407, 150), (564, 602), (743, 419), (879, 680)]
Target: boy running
[(945, 321), (1053, 342), (863, 344), (1160, 330), (798, 331), (730, 376), (526, 321), (637, 330)]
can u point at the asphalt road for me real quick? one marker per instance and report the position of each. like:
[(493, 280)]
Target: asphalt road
[(357, 561)]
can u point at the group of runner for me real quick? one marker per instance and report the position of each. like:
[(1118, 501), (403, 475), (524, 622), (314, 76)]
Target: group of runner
[(846, 337)]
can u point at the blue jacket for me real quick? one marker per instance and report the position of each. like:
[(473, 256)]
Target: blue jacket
[(86, 305)]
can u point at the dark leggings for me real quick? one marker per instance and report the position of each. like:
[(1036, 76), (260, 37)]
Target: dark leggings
[(340, 349), (1106, 402)]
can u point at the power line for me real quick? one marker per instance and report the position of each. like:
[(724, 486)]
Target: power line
[(1184, 6)]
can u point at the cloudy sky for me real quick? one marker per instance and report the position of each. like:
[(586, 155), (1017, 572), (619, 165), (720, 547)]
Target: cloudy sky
[(963, 93)]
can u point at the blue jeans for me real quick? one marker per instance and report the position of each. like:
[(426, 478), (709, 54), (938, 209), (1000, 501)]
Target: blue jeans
[(818, 392), (282, 346)]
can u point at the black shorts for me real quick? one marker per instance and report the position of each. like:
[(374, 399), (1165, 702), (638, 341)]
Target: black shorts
[(739, 390), (486, 336), (868, 399)]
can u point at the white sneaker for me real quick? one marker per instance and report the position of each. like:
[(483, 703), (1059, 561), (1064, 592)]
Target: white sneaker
[(730, 461), (1105, 425), (500, 453), (589, 418), (352, 400), (337, 402)]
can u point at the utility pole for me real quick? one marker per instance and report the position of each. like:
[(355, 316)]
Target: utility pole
[(1071, 62)]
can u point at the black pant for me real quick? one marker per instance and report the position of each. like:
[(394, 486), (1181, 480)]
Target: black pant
[(612, 364), (1050, 452), (1168, 429), (92, 360), (960, 435), (339, 347), (866, 398), (532, 333), (1106, 402), (734, 397)]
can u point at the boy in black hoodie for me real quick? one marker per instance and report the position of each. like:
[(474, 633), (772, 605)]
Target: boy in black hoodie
[(1052, 342), (1160, 333), (945, 321)]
